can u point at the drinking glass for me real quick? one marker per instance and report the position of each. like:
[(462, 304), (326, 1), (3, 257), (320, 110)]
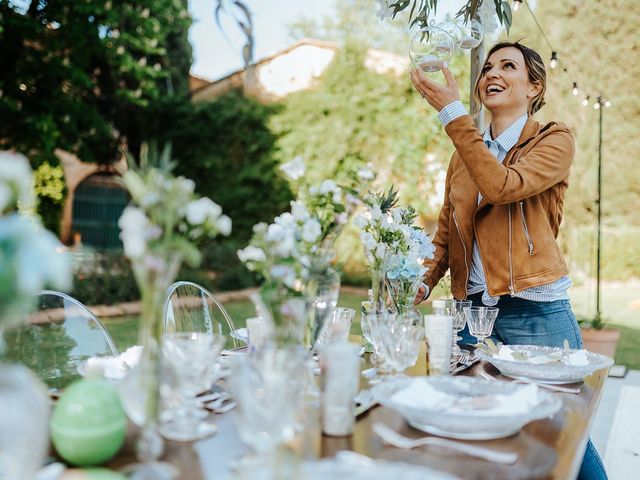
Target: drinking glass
[(267, 384), (369, 334), (398, 340), (480, 321), (336, 327), (459, 320), (188, 366)]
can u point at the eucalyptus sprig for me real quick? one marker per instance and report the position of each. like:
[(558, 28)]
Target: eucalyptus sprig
[(420, 11)]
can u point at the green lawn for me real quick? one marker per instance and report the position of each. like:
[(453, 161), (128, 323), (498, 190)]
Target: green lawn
[(616, 301)]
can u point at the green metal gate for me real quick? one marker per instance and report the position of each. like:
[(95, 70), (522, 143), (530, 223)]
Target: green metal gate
[(97, 205)]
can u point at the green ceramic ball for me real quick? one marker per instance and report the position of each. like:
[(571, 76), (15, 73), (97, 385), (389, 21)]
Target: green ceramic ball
[(88, 424)]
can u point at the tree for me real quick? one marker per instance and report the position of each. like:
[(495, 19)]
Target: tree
[(72, 72), (227, 148)]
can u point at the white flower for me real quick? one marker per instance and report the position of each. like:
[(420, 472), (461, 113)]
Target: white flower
[(15, 174), (199, 211), (224, 225), (187, 185), (252, 254), (260, 228), (376, 213), (361, 221), (286, 220), (368, 241), (275, 233), (380, 250), (299, 211), (294, 169), (134, 225), (383, 10), (366, 174), (342, 218), (327, 186), (311, 230), (284, 273), (286, 246)]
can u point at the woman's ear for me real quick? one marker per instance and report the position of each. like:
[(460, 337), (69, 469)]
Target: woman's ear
[(534, 90)]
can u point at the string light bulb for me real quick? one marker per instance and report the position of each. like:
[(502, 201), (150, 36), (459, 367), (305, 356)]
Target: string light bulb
[(575, 89), (585, 102), (516, 5), (554, 60), (607, 103), (596, 105)]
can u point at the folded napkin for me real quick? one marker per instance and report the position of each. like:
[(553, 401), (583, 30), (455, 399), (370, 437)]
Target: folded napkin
[(114, 368), (578, 358), (420, 394), (241, 334)]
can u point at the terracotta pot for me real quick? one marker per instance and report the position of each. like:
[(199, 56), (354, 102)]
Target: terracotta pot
[(602, 341)]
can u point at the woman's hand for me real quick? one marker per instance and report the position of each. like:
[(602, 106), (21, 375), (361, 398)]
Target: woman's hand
[(423, 292), (437, 94)]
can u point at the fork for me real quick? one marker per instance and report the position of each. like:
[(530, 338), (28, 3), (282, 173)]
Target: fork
[(397, 440), (553, 388), (364, 401), (462, 359)]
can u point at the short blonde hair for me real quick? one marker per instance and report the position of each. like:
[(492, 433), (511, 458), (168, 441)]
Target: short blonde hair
[(535, 69)]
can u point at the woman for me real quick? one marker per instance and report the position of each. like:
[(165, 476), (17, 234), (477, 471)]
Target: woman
[(503, 204)]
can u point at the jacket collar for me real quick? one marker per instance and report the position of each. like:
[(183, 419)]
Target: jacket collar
[(530, 130)]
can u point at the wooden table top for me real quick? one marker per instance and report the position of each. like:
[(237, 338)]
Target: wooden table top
[(547, 449)]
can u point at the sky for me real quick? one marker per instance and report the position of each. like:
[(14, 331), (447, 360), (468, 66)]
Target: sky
[(215, 56)]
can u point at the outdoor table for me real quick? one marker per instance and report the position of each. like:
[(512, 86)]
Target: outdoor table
[(548, 449)]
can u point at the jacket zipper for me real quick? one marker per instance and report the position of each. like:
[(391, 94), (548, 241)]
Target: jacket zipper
[(526, 230), (466, 265), (511, 289)]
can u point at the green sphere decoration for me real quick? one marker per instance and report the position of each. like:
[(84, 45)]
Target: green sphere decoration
[(88, 424)]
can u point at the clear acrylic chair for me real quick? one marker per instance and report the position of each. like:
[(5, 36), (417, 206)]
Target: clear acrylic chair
[(58, 338), (190, 307)]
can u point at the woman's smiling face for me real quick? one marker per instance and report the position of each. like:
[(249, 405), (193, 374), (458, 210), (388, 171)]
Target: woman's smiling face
[(504, 83)]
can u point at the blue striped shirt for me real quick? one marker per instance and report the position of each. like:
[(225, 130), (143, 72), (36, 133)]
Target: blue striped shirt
[(499, 147)]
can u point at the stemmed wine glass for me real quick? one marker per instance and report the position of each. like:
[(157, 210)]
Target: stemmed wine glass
[(188, 360), (480, 321), (459, 320)]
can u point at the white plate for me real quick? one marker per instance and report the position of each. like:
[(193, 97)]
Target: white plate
[(552, 373), (475, 423)]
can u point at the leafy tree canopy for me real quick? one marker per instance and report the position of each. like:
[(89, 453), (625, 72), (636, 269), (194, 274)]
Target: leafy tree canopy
[(72, 72)]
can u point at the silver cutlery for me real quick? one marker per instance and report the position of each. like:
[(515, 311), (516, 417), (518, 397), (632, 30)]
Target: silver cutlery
[(464, 366), (364, 401), (553, 388), (397, 440)]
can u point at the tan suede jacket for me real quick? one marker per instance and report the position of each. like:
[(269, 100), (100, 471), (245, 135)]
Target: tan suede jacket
[(516, 223)]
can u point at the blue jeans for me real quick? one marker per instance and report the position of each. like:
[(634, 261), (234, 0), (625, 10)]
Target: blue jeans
[(525, 322)]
